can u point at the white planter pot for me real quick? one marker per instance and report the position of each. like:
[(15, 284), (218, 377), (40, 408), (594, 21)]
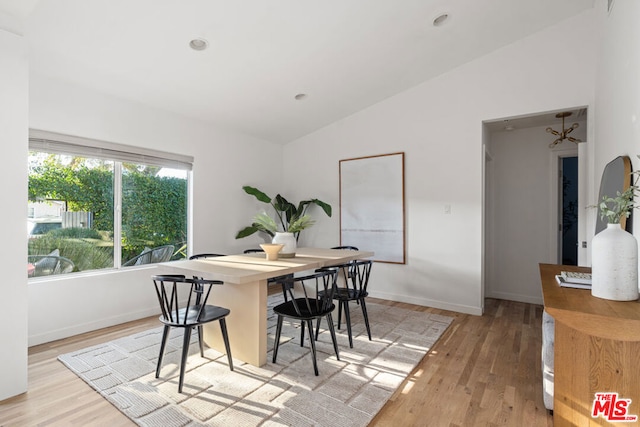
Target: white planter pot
[(614, 265), (289, 242)]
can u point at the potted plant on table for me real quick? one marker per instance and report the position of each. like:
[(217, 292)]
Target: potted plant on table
[(291, 220), (614, 263)]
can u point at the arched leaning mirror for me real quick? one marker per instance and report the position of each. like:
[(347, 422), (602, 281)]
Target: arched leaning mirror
[(616, 177)]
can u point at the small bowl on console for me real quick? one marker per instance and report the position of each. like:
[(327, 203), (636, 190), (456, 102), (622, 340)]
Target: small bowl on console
[(272, 250)]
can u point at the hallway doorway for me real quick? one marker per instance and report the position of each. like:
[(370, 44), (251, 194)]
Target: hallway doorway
[(532, 210), (568, 215)]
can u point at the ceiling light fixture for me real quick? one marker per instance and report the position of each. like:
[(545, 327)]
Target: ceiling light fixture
[(440, 19), (198, 44), (565, 132)]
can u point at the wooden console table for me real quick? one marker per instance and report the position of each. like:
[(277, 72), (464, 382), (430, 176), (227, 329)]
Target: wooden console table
[(596, 349)]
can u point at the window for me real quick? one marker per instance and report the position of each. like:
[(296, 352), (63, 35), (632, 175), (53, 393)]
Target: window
[(95, 205)]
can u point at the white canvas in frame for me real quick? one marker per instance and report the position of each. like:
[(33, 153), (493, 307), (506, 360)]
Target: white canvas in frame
[(372, 205)]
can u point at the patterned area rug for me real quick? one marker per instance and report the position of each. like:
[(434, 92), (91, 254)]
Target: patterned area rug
[(348, 392)]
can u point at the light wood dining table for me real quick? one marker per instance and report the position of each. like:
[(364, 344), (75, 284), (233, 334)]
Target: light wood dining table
[(244, 292)]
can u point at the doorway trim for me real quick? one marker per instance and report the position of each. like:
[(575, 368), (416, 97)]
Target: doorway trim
[(554, 169)]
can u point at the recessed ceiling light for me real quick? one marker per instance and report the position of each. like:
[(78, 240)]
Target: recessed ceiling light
[(440, 19), (198, 44), (300, 96)]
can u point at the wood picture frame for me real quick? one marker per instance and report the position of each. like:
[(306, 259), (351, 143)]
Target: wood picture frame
[(372, 213)]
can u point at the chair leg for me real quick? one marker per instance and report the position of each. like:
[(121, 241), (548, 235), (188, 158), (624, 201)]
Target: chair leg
[(347, 320), (185, 353), (313, 346), (318, 320), (225, 337), (333, 335), (339, 313), (277, 342), (302, 333), (163, 344), (200, 340), (366, 317), (284, 292)]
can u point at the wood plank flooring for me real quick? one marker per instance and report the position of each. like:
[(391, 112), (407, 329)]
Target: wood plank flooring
[(484, 371)]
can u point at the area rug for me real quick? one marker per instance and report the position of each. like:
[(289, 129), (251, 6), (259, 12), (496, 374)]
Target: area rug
[(348, 392)]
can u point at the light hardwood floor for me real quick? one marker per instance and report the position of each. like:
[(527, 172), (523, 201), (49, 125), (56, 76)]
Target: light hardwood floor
[(484, 371)]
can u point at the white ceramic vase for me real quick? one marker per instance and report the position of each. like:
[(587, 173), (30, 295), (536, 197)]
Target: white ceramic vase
[(614, 264), (289, 242)]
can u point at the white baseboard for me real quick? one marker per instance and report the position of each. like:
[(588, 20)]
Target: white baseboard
[(515, 297), (477, 311), (91, 326)]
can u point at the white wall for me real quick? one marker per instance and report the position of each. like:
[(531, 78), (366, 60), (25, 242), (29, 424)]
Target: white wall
[(438, 125), (617, 121), (13, 174), (522, 231), (224, 162)]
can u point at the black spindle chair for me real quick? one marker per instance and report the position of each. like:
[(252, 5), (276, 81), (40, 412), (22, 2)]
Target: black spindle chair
[(273, 280), (356, 279), (204, 255), (348, 248), (177, 296), (316, 303), (351, 248)]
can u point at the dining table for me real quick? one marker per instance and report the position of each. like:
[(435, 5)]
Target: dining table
[(244, 292)]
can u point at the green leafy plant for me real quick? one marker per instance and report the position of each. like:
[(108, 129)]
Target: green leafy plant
[(612, 209), (154, 212), (290, 218)]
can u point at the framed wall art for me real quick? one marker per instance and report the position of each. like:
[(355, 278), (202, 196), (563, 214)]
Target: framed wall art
[(372, 214)]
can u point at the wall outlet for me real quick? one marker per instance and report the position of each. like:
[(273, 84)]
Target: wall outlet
[(447, 209)]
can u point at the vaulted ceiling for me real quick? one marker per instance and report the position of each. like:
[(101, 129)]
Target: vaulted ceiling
[(340, 56)]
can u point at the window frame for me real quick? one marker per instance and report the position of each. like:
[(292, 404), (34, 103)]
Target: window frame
[(57, 143)]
